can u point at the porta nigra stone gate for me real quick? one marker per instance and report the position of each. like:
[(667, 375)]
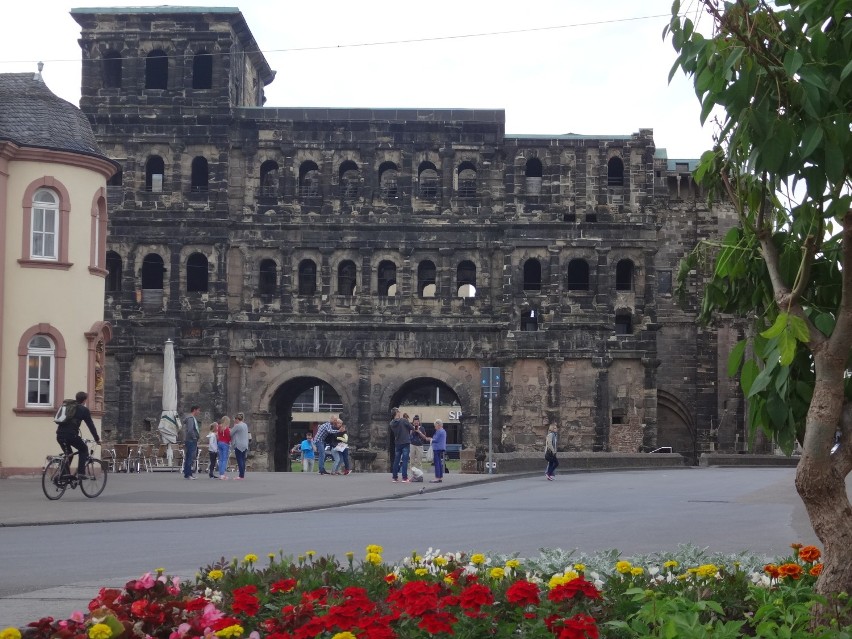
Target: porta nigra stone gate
[(375, 252)]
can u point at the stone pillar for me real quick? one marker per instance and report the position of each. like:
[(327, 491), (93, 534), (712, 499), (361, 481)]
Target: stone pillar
[(447, 165), (602, 417), (361, 431), (174, 277), (124, 419)]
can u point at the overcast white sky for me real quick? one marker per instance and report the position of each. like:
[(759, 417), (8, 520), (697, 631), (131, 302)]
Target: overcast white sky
[(601, 74)]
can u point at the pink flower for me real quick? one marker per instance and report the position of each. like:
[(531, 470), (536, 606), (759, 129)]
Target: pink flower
[(181, 631), (77, 616), (145, 582), (211, 613)]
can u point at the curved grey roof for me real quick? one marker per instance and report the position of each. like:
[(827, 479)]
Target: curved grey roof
[(32, 115)]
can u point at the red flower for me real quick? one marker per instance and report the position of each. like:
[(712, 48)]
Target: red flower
[(224, 622), (571, 589), (415, 598), (245, 601), (436, 622), (475, 596), (815, 570), (772, 571), (523, 593), (195, 604), (284, 585), (793, 571), (579, 626)]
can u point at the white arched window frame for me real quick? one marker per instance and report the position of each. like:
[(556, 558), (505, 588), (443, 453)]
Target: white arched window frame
[(41, 371), (44, 233)]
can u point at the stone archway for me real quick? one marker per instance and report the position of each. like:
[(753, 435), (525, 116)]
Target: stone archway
[(675, 425), (284, 432)]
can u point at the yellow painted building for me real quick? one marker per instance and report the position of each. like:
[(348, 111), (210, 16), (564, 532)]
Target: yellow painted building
[(53, 222)]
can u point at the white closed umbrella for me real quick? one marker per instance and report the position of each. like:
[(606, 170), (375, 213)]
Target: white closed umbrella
[(169, 425)]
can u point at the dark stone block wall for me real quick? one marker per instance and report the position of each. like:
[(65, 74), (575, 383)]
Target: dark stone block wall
[(571, 243)]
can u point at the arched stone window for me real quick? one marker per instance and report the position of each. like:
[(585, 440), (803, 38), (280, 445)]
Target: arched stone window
[(578, 275), (196, 273), (202, 70), (157, 70), (349, 179), (615, 172), (623, 323), (624, 275), (533, 173), (307, 277), (346, 274), (466, 279), (269, 179), (426, 279), (529, 320), (113, 266), (111, 67), (200, 175), (155, 170), (152, 272), (40, 371), (267, 280), (309, 180), (44, 238), (466, 180), (386, 275), (532, 275), (428, 182), (389, 180)]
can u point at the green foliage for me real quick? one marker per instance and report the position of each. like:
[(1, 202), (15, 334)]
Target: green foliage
[(779, 76)]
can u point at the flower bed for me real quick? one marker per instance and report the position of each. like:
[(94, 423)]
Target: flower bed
[(687, 594)]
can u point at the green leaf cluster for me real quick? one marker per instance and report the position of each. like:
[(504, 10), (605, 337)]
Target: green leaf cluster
[(780, 77)]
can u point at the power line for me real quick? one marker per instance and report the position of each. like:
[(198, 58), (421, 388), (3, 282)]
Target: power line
[(383, 43)]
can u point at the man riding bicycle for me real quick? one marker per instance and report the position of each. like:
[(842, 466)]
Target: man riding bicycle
[(68, 433)]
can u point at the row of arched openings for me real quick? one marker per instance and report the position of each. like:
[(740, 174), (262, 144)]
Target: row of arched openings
[(350, 179), (157, 70), (465, 283)]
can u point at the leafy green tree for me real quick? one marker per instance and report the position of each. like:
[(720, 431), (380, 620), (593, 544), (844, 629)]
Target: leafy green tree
[(778, 76)]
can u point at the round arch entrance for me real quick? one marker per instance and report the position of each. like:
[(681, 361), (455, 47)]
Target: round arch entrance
[(429, 399), (296, 408)]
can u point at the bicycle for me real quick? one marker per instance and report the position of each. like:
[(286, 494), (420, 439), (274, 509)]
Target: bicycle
[(54, 482)]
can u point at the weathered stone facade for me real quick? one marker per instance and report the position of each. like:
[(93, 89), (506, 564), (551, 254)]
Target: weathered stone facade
[(284, 248)]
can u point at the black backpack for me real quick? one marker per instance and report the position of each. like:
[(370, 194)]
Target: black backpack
[(65, 414)]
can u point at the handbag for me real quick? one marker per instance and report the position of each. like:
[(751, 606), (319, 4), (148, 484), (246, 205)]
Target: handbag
[(549, 455)]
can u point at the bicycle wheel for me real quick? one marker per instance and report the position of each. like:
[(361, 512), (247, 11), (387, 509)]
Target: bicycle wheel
[(96, 477), (50, 479)]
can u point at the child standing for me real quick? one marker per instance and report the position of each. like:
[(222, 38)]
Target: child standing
[(307, 449), (212, 449)]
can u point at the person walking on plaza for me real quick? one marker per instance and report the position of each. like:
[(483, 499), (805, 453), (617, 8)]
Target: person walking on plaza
[(190, 441), (418, 439), (240, 441), (550, 452), (307, 450), (439, 447), (212, 450), (401, 432), (223, 438), (334, 426), (68, 433)]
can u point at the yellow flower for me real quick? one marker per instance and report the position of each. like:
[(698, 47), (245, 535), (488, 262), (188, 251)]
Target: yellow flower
[(636, 571), (344, 635), (477, 559), (373, 558), (557, 580), (10, 633), (580, 567), (449, 580), (683, 576), (418, 559), (215, 574), (230, 631), (421, 571), (513, 563), (623, 567), (375, 549), (250, 558), (160, 571), (497, 573), (271, 556), (100, 631), (310, 553), (671, 563), (707, 570), (440, 561), (350, 555)]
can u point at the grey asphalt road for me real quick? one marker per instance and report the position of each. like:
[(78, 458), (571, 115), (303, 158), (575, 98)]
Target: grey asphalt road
[(55, 569)]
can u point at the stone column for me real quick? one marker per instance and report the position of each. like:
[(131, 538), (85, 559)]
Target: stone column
[(174, 277), (362, 429)]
